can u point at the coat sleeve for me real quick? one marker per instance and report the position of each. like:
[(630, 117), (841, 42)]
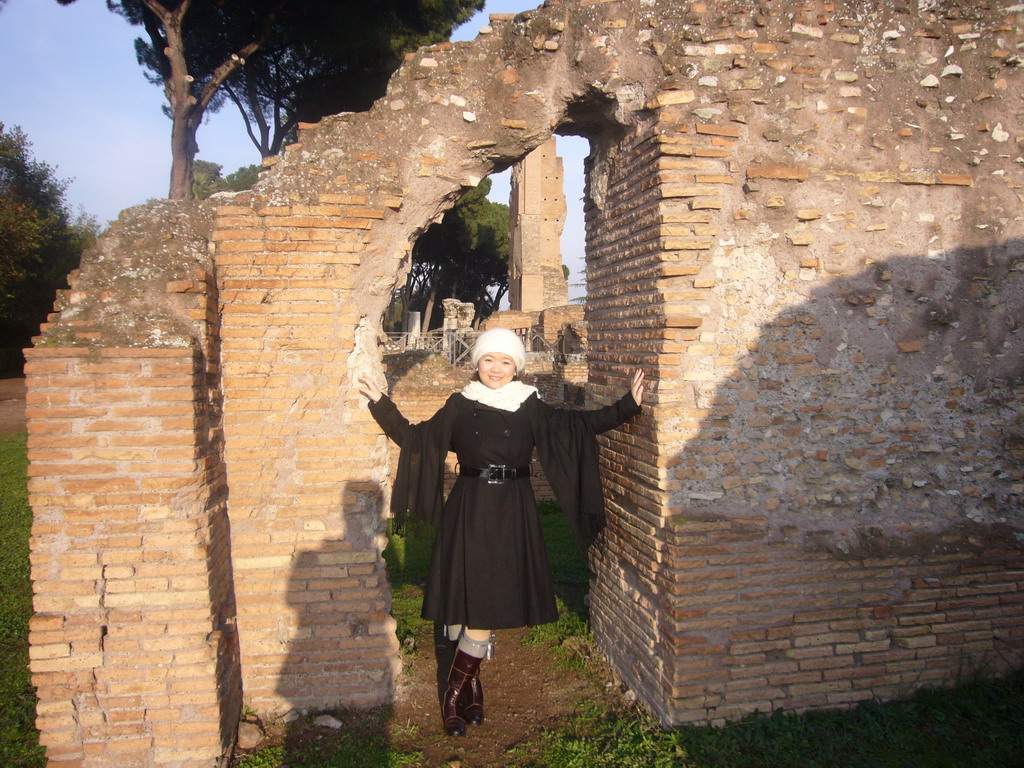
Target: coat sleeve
[(419, 482), (610, 416), (390, 419), (568, 451)]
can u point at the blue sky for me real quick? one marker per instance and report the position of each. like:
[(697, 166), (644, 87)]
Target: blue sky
[(72, 84)]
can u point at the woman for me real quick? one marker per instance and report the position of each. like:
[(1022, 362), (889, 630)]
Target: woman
[(489, 569)]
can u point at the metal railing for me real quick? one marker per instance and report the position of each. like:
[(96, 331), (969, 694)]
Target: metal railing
[(456, 345)]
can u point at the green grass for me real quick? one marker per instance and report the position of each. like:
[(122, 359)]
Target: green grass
[(978, 724), (408, 559), (19, 740), (569, 636)]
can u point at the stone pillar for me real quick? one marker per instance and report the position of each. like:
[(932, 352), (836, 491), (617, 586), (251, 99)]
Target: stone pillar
[(537, 216), (134, 653)]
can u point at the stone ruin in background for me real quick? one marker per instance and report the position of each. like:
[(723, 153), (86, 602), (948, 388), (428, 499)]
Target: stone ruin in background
[(804, 220)]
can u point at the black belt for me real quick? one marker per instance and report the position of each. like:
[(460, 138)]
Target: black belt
[(496, 473)]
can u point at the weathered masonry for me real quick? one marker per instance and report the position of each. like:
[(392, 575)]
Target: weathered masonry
[(537, 216), (805, 220)]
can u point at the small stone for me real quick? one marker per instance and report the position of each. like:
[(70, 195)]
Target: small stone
[(469, 117), (1000, 135), (803, 29), (249, 735), (668, 98), (707, 113), (952, 70), (326, 721), (930, 82)]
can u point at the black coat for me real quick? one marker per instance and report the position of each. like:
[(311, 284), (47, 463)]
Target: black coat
[(489, 568)]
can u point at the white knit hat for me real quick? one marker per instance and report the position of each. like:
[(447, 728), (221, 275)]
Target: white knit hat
[(500, 340)]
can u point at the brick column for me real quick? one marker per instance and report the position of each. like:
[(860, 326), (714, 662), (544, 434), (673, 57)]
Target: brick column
[(536, 217), (636, 318), (133, 648), (304, 458)]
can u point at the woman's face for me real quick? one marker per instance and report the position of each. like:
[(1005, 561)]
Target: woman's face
[(496, 369)]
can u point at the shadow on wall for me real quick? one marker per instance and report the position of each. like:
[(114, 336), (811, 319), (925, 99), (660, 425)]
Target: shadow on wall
[(890, 398), (343, 647)]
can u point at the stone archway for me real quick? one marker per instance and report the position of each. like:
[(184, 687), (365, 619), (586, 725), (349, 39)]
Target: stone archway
[(825, 293)]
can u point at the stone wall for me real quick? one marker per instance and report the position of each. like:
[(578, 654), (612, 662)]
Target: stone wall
[(822, 317), (536, 218), (803, 222)]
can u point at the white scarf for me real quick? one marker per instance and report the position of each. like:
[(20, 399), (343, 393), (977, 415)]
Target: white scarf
[(507, 398)]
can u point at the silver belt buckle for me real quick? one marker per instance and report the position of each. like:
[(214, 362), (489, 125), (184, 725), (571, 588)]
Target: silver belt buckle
[(495, 474)]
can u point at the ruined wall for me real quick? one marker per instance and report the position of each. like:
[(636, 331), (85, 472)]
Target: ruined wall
[(134, 651), (833, 254), (537, 217), (804, 223)]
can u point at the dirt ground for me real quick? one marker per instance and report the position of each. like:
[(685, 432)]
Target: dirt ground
[(525, 691), (12, 405)]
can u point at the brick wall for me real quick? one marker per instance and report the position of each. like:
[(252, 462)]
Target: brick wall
[(306, 523), (762, 621), (134, 650), (629, 326), (834, 331)]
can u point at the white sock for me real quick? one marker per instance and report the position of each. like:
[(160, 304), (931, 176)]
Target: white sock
[(474, 648)]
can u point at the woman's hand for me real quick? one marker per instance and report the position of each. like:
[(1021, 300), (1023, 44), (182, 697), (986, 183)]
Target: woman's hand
[(369, 389), (637, 387)]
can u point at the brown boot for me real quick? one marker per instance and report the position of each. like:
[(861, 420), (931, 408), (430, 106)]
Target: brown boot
[(473, 701), (464, 668)]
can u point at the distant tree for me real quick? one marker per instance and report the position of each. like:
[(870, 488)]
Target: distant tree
[(464, 256), (192, 47), (244, 178), (39, 241), (208, 179)]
